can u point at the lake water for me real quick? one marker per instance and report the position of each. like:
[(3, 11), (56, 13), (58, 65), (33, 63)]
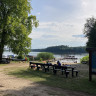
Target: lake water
[(57, 56)]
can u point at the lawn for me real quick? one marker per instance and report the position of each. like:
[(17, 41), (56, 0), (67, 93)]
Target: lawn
[(80, 83)]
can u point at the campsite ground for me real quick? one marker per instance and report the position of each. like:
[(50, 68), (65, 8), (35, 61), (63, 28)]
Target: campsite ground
[(10, 85)]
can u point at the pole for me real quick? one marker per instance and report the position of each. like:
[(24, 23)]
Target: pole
[(90, 65)]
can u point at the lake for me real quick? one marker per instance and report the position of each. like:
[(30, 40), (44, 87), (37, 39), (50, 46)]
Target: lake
[(57, 56)]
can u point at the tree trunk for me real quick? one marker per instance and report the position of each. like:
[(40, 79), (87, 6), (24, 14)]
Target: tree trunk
[(1, 52), (2, 45), (3, 32)]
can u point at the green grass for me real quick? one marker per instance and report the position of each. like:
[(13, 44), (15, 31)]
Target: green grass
[(80, 83), (3, 64), (9, 95)]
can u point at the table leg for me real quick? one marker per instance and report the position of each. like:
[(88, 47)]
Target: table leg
[(72, 72)]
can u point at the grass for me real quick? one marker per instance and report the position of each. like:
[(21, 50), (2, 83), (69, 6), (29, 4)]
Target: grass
[(9, 95), (3, 64), (80, 83)]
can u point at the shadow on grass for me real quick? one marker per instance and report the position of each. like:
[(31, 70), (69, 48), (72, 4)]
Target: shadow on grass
[(38, 90), (77, 84)]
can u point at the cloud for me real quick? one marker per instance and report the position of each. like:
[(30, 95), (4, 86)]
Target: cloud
[(52, 33), (62, 22)]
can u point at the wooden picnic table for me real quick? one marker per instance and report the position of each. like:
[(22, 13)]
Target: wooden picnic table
[(64, 69)]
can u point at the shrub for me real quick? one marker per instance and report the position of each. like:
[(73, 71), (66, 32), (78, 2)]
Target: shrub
[(20, 57), (85, 59), (45, 56), (31, 58)]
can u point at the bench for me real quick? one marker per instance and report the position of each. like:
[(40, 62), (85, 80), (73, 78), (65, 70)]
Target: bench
[(38, 67), (32, 66), (55, 71), (65, 72), (76, 71), (55, 68)]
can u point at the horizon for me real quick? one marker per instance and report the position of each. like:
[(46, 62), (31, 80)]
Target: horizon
[(60, 22)]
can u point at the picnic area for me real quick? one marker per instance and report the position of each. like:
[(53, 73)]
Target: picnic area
[(18, 79)]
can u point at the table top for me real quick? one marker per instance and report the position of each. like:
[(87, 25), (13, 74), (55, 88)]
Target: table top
[(55, 65)]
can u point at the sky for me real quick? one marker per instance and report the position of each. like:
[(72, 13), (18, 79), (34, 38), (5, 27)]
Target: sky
[(61, 22)]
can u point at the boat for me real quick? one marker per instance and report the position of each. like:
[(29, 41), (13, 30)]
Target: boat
[(70, 57)]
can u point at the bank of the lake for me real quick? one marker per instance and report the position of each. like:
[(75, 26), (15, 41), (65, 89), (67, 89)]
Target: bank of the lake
[(57, 56)]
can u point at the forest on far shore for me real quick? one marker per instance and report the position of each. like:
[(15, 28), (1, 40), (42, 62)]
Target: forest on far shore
[(62, 49)]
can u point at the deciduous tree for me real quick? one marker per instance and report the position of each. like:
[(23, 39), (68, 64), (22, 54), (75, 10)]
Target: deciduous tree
[(90, 32), (16, 25)]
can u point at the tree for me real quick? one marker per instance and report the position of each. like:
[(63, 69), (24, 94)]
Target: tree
[(16, 25), (90, 32)]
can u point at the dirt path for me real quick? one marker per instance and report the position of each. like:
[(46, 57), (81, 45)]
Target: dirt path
[(12, 86)]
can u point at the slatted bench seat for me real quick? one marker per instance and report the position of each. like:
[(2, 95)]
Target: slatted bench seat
[(65, 72), (55, 71), (38, 67), (46, 69), (32, 66), (76, 71)]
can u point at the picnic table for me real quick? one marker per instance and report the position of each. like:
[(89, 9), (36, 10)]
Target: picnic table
[(46, 67)]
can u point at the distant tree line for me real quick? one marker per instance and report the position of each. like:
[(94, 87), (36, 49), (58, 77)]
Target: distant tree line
[(62, 49)]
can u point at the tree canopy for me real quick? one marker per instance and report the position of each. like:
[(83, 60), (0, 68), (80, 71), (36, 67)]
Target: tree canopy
[(90, 32), (16, 25)]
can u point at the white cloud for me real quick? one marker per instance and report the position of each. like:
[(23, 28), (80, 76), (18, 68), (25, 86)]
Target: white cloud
[(58, 31), (88, 8), (60, 24)]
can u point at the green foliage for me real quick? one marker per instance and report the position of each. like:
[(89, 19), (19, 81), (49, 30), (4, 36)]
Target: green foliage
[(41, 59), (20, 57), (30, 58), (90, 32), (85, 59), (45, 56), (16, 25)]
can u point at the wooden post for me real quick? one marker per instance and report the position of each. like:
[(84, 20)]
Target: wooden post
[(92, 62), (90, 65)]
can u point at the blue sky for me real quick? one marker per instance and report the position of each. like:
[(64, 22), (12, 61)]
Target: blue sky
[(61, 22)]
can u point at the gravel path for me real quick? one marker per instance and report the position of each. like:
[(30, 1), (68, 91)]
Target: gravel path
[(12, 86)]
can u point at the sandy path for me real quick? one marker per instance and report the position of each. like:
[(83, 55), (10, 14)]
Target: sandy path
[(12, 86)]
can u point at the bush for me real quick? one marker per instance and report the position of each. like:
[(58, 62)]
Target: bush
[(45, 56), (85, 59), (20, 57), (31, 58)]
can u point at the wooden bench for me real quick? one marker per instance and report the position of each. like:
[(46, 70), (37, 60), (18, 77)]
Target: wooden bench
[(63, 69), (73, 71), (65, 72), (76, 72), (55, 71), (32, 66)]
